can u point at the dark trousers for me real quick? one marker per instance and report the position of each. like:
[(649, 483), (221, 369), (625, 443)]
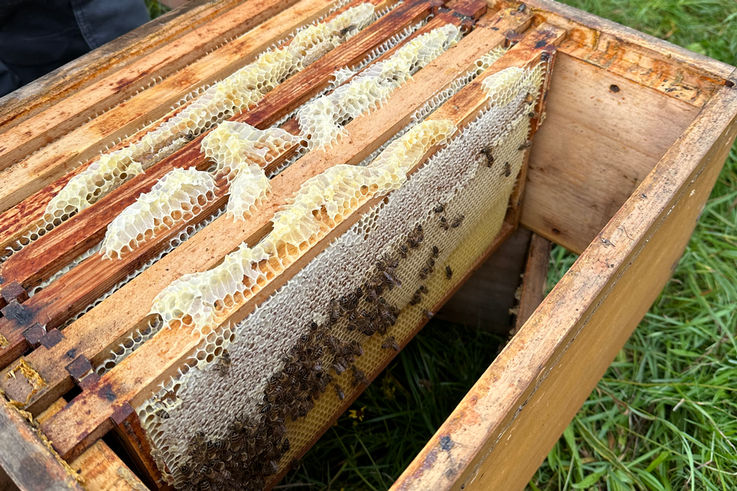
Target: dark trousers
[(37, 36)]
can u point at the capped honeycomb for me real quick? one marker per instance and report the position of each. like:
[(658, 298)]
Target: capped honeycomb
[(321, 120), (232, 95), (179, 195)]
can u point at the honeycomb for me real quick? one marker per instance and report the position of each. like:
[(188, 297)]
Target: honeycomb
[(321, 121), (194, 299), (232, 95), (198, 299), (276, 378), (233, 145), (84, 189), (177, 196)]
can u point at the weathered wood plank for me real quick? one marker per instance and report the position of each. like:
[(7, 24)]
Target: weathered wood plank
[(594, 149), (84, 229), (555, 12), (162, 354), (27, 461), (21, 139), (118, 53), (100, 468), (507, 423), (534, 281), (46, 171)]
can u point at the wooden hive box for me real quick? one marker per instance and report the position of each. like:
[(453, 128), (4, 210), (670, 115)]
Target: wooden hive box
[(626, 138)]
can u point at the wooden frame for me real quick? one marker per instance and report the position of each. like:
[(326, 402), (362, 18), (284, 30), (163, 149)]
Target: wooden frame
[(627, 200)]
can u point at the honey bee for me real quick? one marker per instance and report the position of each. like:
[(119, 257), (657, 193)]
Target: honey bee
[(359, 378), (390, 342), (403, 251), (444, 223), (435, 251), (457, 221), (448, 272), (488, 155), (507, 170), (222, 366), (161, 413), (439, 209), (339, 392), (346, 30), (526, 144)]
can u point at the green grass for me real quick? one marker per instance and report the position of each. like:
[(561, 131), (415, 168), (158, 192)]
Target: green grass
[(665, 414)]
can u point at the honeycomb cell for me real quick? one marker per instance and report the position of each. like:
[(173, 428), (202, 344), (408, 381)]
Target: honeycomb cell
[(175, 197), (321, 121)]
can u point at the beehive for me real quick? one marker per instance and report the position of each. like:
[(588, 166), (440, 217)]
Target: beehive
[(215, 282)]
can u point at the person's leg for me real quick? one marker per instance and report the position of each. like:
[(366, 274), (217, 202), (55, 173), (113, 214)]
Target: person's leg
[(38, 36)]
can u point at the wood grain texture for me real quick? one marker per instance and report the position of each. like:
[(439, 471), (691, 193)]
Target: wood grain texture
[(118, 53), (87, 417), (96, 275), (507, 423), (554, 12), (534, 280), (99, 467), (102, 470), (25, 459), (108, 323), (26, 188), (594, 148), (23, 138)]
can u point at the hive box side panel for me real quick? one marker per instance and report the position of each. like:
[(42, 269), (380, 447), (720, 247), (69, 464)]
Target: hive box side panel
[(601, 136), (504, 427)]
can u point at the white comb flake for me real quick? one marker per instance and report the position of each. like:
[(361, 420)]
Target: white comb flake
[(322, 120), (174, 197), (232, 95), (88, 186), (233, 145), (248, 190), (193, 300)]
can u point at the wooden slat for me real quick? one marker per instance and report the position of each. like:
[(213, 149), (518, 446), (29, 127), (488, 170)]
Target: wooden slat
[(84, 229), (47, 171), (25, 460), (161, 355), (512, 416), (105, 325), (51, 252), (594, 149), (100, 468), (114, 55), (534, 281), (22, 139), (555, 12)]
